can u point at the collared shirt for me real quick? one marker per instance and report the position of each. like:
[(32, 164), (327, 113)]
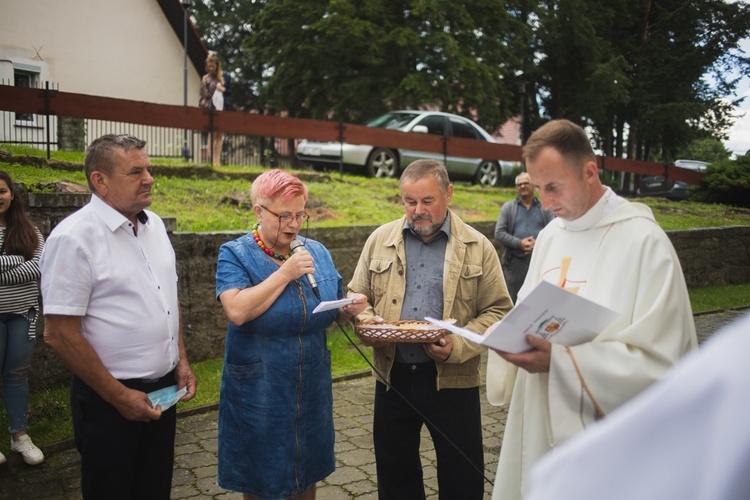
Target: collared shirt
[(529, 221), (424, 284), (123, 286)]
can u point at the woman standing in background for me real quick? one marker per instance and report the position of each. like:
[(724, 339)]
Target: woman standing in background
[(21, 246), (212, 81)]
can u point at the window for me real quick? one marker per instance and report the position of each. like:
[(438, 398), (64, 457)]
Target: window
[(435, 124), (25, 77), (463, 130)]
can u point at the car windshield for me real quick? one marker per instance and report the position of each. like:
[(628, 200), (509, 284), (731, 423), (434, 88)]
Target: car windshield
[(393, 121)]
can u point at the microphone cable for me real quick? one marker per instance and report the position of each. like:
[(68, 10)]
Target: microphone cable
[(426, 420)]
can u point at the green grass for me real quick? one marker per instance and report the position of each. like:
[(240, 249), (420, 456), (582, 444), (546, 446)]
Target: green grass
[(201, 203), (711, 298)]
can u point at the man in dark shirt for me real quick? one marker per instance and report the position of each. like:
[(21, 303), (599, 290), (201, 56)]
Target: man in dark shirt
[(517, 227)]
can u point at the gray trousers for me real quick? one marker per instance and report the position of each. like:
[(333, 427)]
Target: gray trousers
[(515, 274)]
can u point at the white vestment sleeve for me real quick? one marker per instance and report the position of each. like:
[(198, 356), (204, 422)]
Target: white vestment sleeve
[(686, 437)]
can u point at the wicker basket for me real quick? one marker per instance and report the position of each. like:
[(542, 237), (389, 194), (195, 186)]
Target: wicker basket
[(400, 331)]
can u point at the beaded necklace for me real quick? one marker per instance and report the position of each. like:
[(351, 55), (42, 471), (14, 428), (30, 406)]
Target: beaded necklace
[(256, 237)]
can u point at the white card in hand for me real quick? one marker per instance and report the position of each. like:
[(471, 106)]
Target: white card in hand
[(327, 305)]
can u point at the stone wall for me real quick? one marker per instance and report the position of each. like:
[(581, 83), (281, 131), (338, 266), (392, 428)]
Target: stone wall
[(708, 257), (714, 256)]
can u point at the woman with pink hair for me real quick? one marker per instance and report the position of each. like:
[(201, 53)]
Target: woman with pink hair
[(276, 431)]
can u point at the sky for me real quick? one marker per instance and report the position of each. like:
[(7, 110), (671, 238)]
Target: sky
[(739, 134)]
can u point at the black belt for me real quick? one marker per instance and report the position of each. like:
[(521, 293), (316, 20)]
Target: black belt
[(150, 384)]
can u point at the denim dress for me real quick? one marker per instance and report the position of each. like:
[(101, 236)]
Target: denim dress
[(276, 431)]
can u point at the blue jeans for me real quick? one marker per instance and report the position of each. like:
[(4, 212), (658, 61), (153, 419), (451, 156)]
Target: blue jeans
[(15, 359)]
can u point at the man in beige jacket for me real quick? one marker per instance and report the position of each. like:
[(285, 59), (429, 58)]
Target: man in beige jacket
[(429, 263)]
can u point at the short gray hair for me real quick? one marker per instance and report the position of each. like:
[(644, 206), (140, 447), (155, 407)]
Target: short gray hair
[(99, 155), (421, 169)]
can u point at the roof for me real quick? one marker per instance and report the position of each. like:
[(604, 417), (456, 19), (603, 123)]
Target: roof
[(197, 50)]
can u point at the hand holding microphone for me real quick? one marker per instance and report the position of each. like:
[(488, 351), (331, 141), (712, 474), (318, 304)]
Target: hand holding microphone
[(297, 246)]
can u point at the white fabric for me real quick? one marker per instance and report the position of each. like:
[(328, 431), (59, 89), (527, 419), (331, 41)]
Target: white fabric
[(686, 437), (620, 258), (218, 100), (124, 287)]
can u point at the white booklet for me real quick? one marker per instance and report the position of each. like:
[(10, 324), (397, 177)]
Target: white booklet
[(549, 312), (327, 305)]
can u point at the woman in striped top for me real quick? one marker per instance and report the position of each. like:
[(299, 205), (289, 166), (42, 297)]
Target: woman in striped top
[(21, 246)]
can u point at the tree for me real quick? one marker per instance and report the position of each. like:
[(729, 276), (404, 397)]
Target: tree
[(708, 149), (353, 59), (634, 71), (224, 26)]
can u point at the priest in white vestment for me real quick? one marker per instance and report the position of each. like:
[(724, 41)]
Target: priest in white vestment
[(614, 253)]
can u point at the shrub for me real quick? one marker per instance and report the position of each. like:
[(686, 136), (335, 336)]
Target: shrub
[(727, 182)]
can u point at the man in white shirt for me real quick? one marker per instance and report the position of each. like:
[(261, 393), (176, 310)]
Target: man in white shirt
[(109, 288), (612, 252)]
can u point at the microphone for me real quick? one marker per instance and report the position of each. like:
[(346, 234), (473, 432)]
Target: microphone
[(296, 247)]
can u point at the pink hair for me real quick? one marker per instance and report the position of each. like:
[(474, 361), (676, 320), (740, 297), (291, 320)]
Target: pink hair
[(276, 184)]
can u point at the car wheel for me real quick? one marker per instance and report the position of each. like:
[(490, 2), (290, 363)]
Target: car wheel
[(383, 163), (488, 174)]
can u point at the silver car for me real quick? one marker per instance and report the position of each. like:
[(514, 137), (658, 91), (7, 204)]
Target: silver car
[(387, 162)]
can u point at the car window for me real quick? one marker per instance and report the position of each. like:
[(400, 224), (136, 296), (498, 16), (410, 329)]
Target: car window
[(393, 121), (435, 124), (464, 130)]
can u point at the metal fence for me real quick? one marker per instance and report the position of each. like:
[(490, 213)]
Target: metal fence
[(48, 131), (163, 142), (29, 129), (252, 150)]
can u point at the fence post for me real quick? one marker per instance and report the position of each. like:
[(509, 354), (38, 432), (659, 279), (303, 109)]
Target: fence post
[(445, 147), (46, 114), (341, 149)]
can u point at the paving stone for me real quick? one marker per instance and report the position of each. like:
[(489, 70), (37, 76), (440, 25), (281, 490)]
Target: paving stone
[(210, 486), (331, 492), (186, 449), (184, 491), (344, 475), (357, 457), (362, 441), (354, 432), (182, 476), (202, 472), (196, 460), (362, 489)]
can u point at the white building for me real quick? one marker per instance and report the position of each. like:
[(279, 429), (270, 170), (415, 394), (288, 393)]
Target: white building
[(128, 50)]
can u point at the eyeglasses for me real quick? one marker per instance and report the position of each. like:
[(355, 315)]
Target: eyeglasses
[(301, 217), (523, 184)]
